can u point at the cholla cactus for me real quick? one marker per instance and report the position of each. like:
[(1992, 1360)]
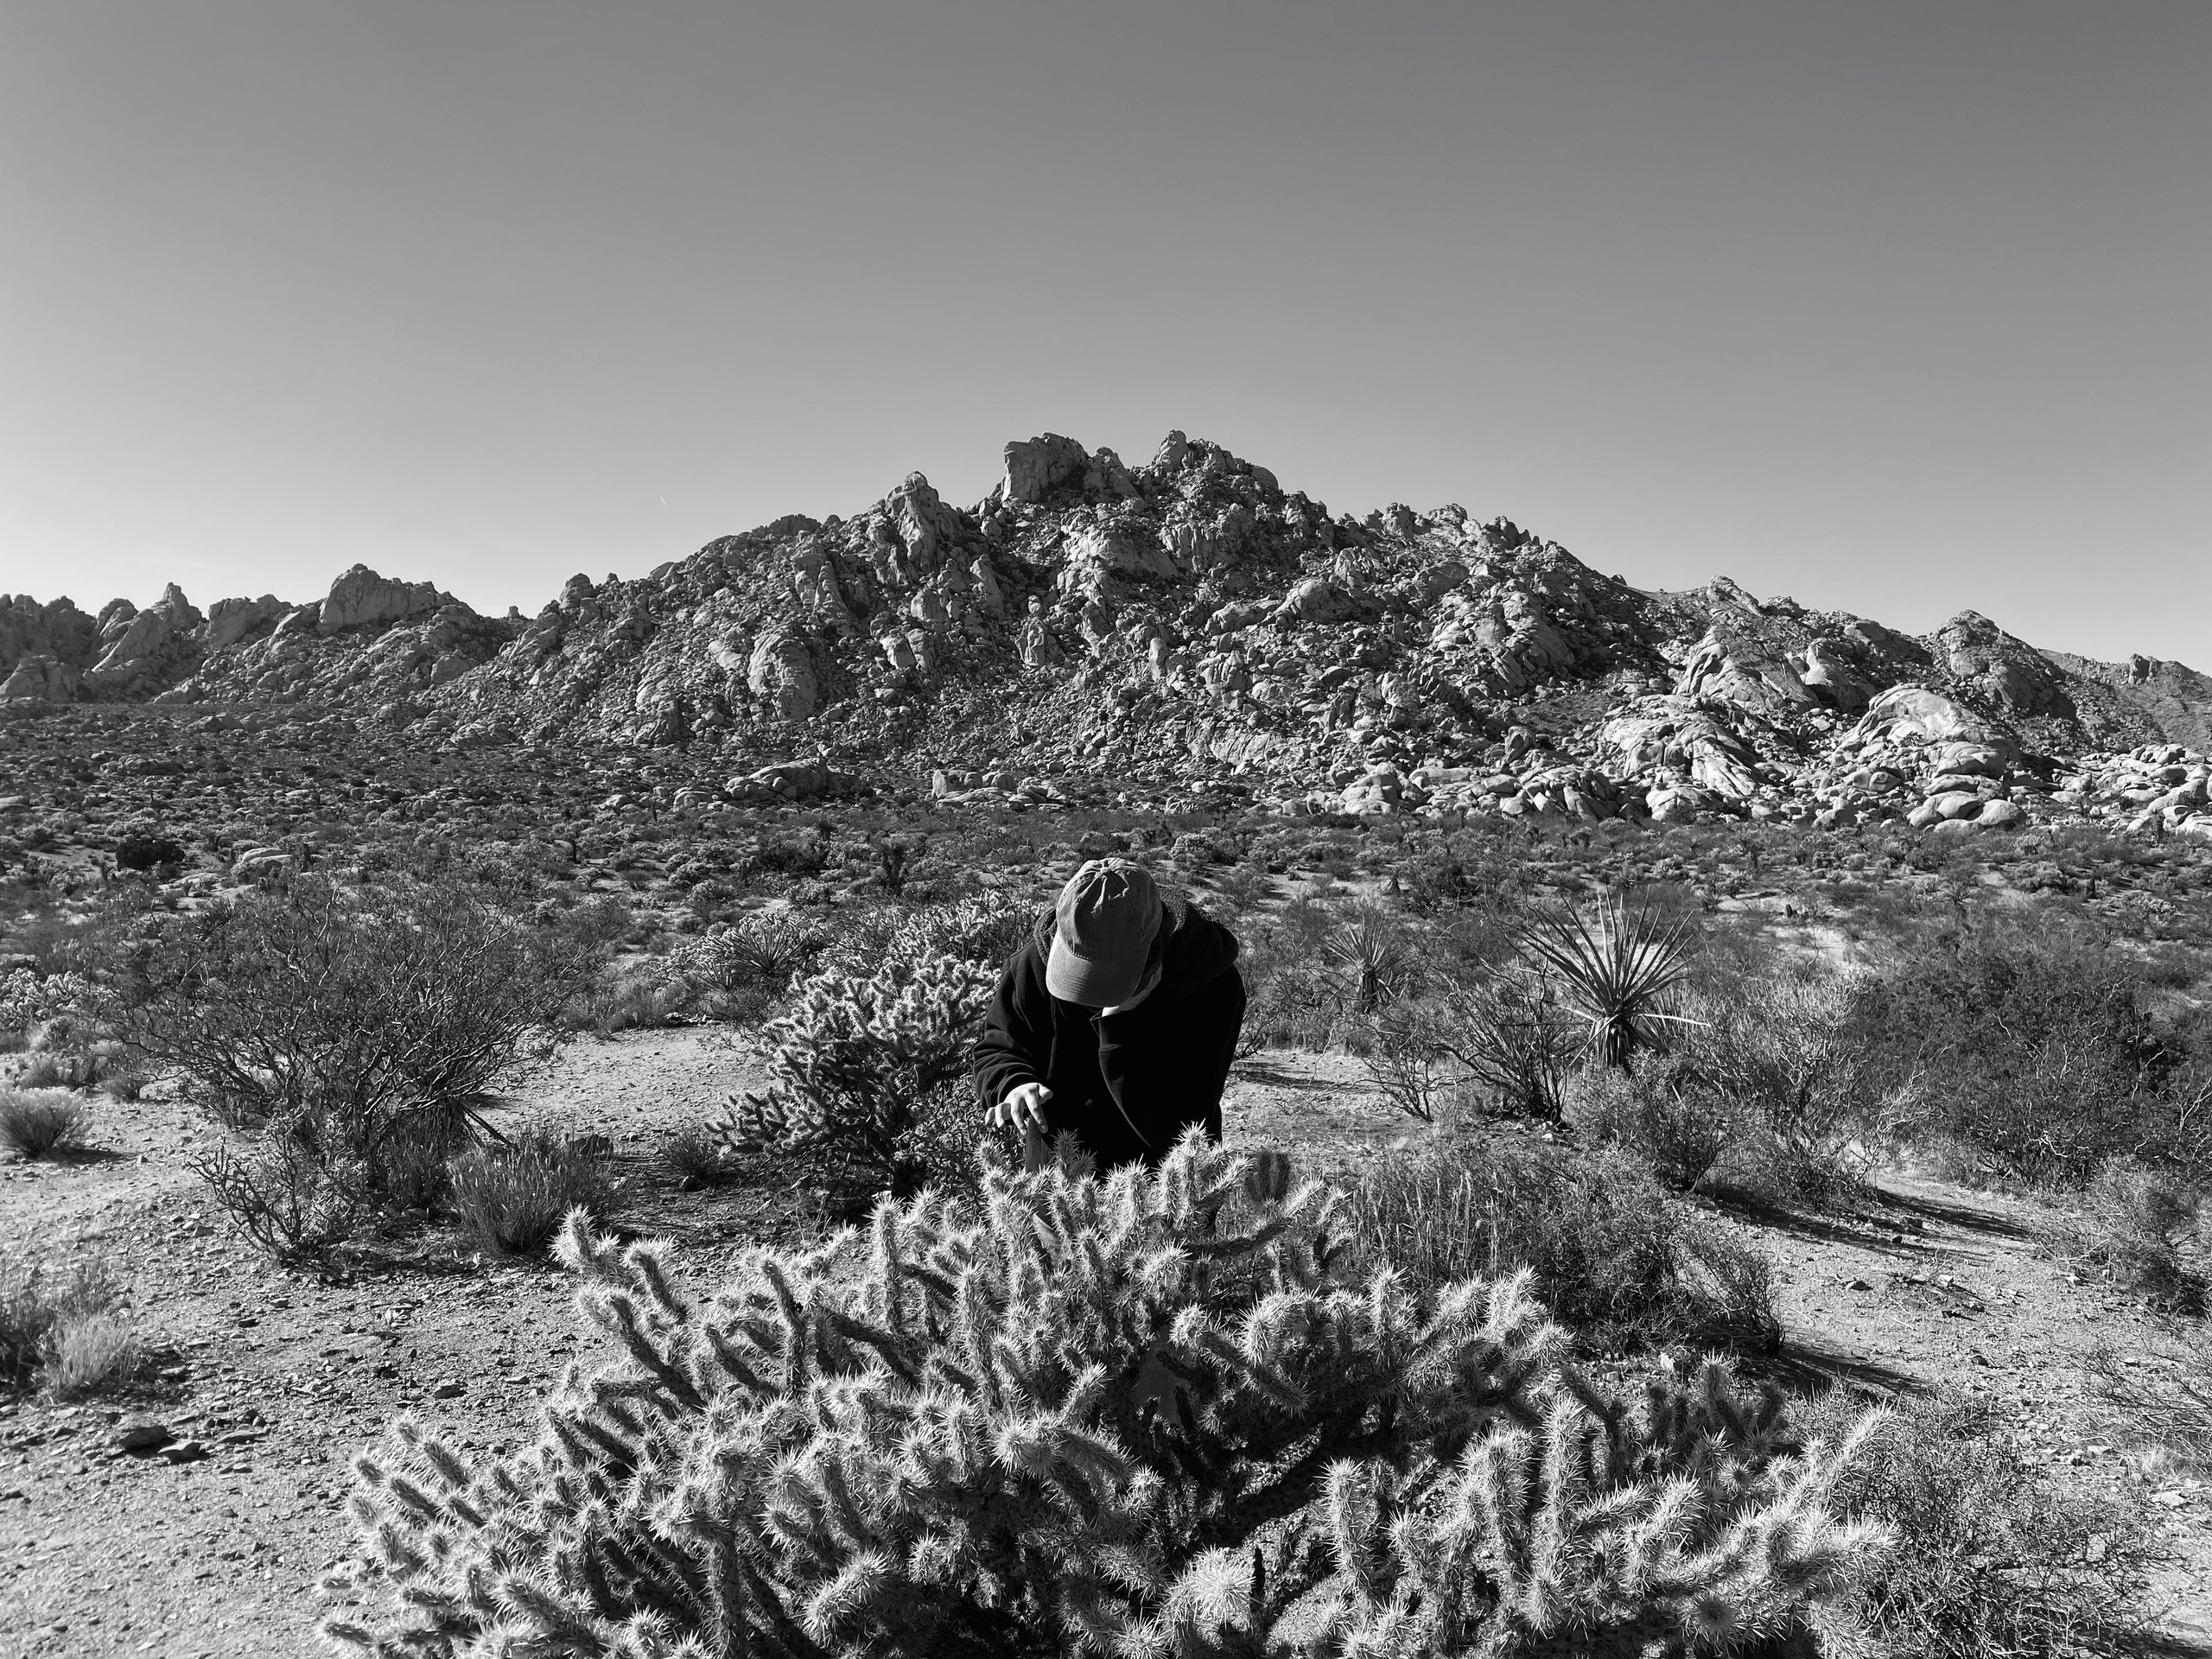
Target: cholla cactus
[(1688, 1526), (987, 927), (1155, 1415), (27, 999), (856, 1070)]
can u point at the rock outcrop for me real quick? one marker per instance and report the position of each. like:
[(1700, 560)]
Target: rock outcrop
[(146, 646), (362, 598)]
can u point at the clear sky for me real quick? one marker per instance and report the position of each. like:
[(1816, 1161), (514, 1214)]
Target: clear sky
[(1897, 306)]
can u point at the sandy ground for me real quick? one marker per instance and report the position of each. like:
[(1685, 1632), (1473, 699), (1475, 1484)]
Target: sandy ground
[(278, 1378)]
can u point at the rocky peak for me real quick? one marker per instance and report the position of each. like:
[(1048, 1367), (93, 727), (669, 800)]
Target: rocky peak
[(361, 599)]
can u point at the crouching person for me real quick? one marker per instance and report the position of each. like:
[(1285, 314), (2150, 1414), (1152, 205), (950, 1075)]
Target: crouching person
[(1116, 1022)]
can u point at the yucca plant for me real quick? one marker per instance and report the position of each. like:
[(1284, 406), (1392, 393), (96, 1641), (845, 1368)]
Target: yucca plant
[(1378, 962), (1615, 968)]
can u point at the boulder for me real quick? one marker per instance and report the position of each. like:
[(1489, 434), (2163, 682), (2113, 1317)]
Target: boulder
[(782, 669), (1036, 467), (41, 678), (362, 598), (1665, 733), (230, 620), (1916, 711), (1956, 804), (1316, 599), (297, 625), (2015, 673), (1736, 666), (154, 638), (1676, 803), (57, 629), (1972, 759), (795, 780), (986, 589), (1831, 677)]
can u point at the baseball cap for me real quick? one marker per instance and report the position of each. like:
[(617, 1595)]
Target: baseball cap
[(1108, 916)]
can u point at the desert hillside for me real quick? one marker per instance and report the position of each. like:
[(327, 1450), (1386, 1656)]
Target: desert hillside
[(1181, 625)]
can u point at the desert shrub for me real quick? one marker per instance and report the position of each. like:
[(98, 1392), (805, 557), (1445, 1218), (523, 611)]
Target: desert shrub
[(142, 850), (2036, 1047), (125, 1087), (596, 926), (1243, 886), (861, 1073), (643, 994), (38, 1123), (39, 1310), (2163, 1389), (292, 1199), (348, 1022), (92, 1354), (511, 1196), (755, 958), (1408, 1058), (1316, 976), (1498, 1039), (1160, 1415), (1783, 1052), (1290, 1002), (1613, 1256), (696, 1156), (70, 1067), (1993, 1556), (1441, 879), (1659, 1109), (1510, 1034), (2128, 1225)]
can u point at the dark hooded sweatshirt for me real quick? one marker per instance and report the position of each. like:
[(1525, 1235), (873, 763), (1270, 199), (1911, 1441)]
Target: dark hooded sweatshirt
[(1128, 1085)]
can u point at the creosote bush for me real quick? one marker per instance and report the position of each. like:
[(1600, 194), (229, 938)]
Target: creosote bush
[(345, 1030), (1165, 1414), (2127, 1227), (1661, 1109), (1781, 1050), (2034, 1044), (2162, 1386), (1993, 1557)]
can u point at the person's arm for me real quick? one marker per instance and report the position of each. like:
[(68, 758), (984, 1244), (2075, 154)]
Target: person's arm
[(1016, 1045), (1015, 1052), (1227, 1024)]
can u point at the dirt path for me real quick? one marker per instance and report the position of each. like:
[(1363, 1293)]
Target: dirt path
[(279, 1379)]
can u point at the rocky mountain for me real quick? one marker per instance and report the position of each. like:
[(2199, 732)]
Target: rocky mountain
[(1183, 627)]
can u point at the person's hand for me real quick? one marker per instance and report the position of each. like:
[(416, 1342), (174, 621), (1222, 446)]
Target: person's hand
[(1023, 1108)]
